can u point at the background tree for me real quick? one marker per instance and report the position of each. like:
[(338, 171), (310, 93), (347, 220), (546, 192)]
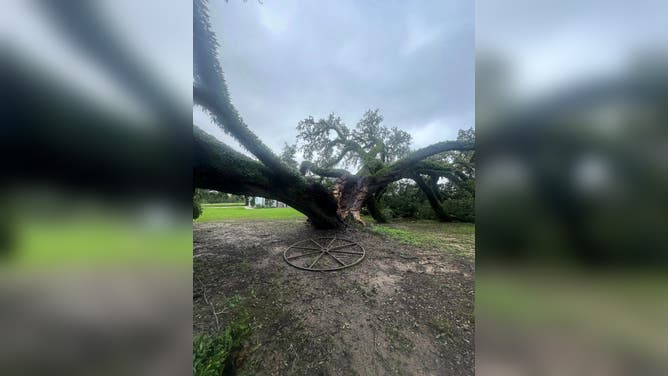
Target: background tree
[(288, 155)]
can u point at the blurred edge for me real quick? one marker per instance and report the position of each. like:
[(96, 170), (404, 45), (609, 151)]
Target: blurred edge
[(572, 212), (95, 236)]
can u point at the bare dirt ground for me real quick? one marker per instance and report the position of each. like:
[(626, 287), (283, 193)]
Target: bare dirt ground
[(404, 310)]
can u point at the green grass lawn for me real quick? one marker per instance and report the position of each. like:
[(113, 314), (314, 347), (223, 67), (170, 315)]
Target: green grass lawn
[(456, 238), (223, 204), (212, 213)]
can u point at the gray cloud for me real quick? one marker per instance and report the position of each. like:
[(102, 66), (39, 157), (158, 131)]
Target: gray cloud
[(287, 60)]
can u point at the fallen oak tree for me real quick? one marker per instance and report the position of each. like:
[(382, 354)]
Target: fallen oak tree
[(382, 153)]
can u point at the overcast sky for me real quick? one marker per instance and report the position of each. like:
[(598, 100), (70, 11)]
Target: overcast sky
[(286, 60), (554, 43)]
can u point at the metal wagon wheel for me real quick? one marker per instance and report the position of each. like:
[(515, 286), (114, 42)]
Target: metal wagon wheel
[(324, 254)]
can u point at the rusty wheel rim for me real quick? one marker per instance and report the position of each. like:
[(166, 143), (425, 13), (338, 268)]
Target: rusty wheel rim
[(324, 254)]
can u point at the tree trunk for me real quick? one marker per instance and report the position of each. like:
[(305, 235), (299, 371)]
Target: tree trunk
[(433, 200), (373, 205), (375, 208)]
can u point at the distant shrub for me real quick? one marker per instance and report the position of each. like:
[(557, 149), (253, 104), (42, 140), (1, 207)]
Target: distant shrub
[(461, 209), (197, 206), (388, 213)]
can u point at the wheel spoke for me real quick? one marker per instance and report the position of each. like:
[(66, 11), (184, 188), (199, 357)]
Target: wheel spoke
[(302, 255), (316, 259), (299, 247), (337, 259), (330, 243), (307, 257), (347, 252), (343, 246)]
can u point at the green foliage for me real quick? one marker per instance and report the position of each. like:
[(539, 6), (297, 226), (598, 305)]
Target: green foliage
[(387, 213), (197, 207), (315, 141), (329, 141), (211, 353), (372, 146), (462, 209), (288, 155), (403, 200), (207, 196), (385, 144)]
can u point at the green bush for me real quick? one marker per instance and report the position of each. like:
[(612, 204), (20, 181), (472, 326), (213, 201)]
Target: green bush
[(211, 353), (197, 207), (408, 201), (462, 209), (424, 211), (387, 213)]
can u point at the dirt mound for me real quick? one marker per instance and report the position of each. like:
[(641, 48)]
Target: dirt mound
[(403, 310)]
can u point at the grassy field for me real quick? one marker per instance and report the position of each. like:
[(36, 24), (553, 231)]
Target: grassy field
[(223, 204), (456, 238), (218, 213)]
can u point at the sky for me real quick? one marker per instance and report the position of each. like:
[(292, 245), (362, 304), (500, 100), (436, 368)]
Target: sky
[(551, 44), (287, 60)]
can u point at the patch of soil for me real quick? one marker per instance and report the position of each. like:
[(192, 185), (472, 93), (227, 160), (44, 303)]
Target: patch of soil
[(390, 314)]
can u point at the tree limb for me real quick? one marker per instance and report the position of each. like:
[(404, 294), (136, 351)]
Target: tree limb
[(226, 116), (212, 168), (321, 171), (432, 198), (219, 167), (403, 168)]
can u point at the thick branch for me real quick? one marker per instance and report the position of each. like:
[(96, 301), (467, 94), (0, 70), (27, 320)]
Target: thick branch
[(433, 200), (430, 150), (348, 147), (433, 168), (211, 92), (375, 209), (324, 172), (217, 166), (226, 116), (337, 129), (432, 180), (405, 166)]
